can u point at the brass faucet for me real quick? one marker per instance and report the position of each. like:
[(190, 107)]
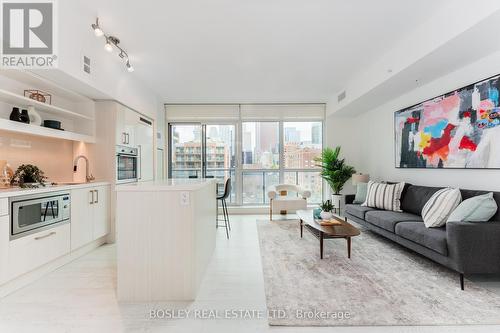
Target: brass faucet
[(88, 176)]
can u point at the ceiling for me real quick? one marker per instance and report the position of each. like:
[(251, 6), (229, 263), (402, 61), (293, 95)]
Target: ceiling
[(224, 51)]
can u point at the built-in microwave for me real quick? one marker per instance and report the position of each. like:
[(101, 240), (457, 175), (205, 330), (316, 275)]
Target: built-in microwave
[(126, 164), (29, 214)]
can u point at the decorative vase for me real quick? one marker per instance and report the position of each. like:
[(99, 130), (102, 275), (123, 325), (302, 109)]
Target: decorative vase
[(337, 200), (34, 116), (325, 215), (317, 213), (24, 117), (4, 174), (15, 115)]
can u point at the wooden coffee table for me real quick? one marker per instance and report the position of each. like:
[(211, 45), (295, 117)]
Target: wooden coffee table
[(344, 230)]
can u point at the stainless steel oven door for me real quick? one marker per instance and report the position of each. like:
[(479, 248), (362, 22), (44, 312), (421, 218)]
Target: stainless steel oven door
[(126, 165), (36, 213)]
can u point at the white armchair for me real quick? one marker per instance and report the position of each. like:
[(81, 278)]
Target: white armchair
[(280, 201)]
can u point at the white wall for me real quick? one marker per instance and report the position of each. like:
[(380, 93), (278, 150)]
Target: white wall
[(374, 134), (108, 72), (343, 131)]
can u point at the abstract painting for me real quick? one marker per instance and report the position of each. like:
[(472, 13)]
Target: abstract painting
[(460, 129)]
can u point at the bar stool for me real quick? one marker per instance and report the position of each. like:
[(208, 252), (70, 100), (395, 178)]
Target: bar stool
[(222, 198)]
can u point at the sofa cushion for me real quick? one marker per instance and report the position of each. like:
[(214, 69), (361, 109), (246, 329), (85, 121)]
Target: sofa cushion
[(384, 196), (440, 206), (388, 220), (358, 210), (480, 208), (432, 238), (466, 194), (415, 197)]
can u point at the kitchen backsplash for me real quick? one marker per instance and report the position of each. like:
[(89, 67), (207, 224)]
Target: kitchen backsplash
[(54, 157)]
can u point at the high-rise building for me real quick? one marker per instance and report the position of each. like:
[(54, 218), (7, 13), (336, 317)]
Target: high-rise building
[(316, 134), (292, 135), (188, 155)]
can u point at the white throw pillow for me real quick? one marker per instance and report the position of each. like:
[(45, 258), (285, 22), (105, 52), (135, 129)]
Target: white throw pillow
[(384, 196), (480, 208), (440, 206)]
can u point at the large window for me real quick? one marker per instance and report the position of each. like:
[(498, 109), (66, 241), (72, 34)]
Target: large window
[(302, 143), (257, 146), (204, 150), (260, 150)]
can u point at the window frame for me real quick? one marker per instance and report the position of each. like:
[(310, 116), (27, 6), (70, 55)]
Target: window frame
[(239, 171)]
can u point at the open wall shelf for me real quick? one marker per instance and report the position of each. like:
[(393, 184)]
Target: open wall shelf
[(28, 129), (21, 101)]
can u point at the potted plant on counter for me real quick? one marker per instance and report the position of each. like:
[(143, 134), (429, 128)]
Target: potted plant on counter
[(326, 210), (335, 172), (28, 175)]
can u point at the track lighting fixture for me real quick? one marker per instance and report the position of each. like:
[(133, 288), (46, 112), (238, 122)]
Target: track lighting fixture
[(111, 41)]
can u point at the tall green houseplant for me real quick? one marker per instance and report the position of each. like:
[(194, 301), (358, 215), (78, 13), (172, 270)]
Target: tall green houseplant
[(334, 170)]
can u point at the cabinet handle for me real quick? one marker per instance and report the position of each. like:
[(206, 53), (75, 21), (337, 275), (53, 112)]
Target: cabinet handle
[(97, 196), (128, 138), (92, 198), (45, 236), (124, 138), (139, 164)]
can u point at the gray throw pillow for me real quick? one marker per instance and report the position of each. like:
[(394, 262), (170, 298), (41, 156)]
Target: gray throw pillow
[(361, 190), (480, 208)]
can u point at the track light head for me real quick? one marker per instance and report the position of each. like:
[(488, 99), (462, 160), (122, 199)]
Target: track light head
[(108, 47), (97, 29), (129, 67)]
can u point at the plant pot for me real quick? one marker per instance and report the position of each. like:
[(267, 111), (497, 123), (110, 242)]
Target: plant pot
[(325, 215), (27, 179), (337, 200)]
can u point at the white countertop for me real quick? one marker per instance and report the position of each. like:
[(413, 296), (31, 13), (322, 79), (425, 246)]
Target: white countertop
[(166, 185), (17, 191)]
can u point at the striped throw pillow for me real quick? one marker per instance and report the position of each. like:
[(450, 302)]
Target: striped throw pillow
[(384, 196), (440, 206)]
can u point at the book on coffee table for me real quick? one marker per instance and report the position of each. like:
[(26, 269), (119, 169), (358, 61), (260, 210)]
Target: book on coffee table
[(329, 222)]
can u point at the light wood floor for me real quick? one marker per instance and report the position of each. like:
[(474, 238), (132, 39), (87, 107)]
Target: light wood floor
[(80, 297)]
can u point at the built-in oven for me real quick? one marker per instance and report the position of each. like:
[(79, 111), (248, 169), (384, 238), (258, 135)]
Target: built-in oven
[(126, 164), (33, 213)]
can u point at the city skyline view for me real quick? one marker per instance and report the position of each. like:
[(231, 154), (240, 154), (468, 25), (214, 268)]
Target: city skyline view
[(260, 156)]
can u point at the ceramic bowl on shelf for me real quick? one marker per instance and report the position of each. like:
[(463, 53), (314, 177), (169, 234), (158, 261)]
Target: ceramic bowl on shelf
[(54, 124)]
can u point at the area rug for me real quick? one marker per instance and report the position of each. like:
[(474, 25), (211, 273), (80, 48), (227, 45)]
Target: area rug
[(382, 283)]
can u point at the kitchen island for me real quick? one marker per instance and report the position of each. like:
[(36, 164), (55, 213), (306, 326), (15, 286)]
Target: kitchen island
[(165, 238)]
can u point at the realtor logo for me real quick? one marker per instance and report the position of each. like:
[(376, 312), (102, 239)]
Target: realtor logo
[(28, 34)]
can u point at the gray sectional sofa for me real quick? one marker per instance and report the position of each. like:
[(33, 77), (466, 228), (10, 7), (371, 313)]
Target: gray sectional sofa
[(465, 247)]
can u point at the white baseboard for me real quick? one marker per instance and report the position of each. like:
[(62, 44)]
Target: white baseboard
[(27, 278)]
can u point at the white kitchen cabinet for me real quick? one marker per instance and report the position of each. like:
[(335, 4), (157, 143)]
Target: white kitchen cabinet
[(32, 251), (89, 215), (121, 135), (4, 248), (4, 207), (126, 121), (81, 217), (101, 209), (144, 139)]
